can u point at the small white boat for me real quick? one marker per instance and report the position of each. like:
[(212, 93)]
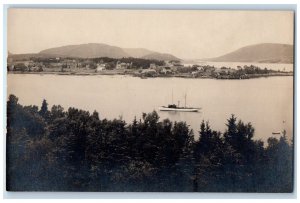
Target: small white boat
[(175, 108)]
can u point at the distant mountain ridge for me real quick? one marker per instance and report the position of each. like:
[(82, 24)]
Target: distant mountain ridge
[(94, 50), (91, 50), (259, 53)]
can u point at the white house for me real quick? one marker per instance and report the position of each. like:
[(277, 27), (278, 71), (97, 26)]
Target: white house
[(166, 70), (123, 65), (101, 67)]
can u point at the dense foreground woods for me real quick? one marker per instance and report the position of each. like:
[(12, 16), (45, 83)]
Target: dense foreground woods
[(73, 150)]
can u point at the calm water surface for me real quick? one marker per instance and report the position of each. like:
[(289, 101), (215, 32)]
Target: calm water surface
[(265, 102)]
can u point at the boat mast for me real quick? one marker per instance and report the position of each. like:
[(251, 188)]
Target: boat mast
[(185, 100), (172, 96)]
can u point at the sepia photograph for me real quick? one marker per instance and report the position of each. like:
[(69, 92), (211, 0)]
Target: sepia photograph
[(157, 100)]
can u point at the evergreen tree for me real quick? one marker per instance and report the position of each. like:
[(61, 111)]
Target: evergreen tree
[(44, 109)]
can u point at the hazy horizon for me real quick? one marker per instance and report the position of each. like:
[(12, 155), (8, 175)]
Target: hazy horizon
[(187, 34)]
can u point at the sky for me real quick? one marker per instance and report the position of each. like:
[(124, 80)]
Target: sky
[(187, 34)]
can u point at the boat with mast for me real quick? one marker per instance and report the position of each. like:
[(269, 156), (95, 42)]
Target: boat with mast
[(174, 107)]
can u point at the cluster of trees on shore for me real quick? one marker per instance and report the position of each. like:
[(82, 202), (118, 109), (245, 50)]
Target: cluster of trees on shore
[(73, 150), (252, 69), (246, 72)]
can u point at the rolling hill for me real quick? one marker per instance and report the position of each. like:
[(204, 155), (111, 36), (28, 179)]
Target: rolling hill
[(260, 53), (91, 50), (94, 50)]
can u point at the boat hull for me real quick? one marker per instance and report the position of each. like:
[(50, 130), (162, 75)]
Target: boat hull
[(179, 109)]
